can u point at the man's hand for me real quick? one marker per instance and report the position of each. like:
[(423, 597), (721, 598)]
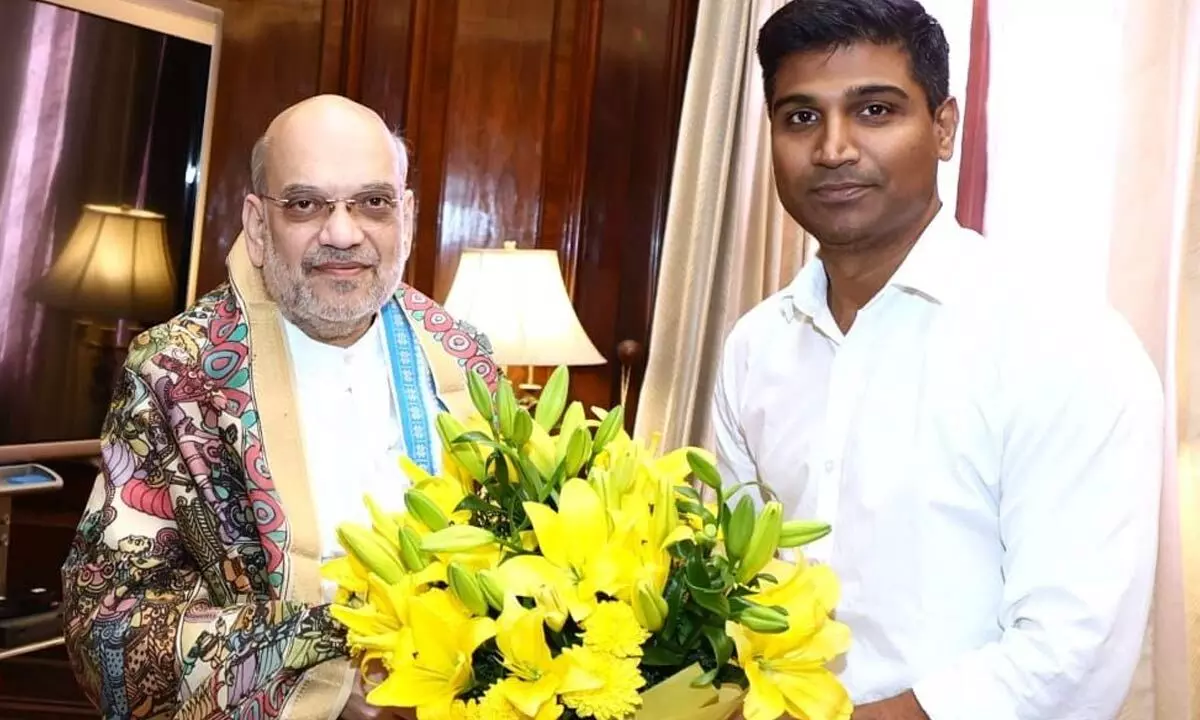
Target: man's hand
[(358, 709), (901, 707)]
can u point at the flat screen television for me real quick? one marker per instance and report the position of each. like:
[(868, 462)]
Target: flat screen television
[(106, 110)]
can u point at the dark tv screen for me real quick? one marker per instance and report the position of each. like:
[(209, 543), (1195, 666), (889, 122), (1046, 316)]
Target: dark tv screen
[(93, 111)]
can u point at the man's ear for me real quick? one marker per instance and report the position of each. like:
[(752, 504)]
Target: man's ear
[(408, 224), (254, 224), (945, 120)]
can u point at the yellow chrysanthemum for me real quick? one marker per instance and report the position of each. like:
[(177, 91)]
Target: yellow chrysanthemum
[(613, 628), (618, 698)]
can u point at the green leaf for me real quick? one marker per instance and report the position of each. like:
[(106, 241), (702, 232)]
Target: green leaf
[(612, 424), (722, 644), (711, 600), (552, 399), (705, 678), (655, 655), (481, 397), (696, 573), (533, 477), (676, 588), (475, 504), (500, 468), (474, 437), (690, 493), (696, 509)]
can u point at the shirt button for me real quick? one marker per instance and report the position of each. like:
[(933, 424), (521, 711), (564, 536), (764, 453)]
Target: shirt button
[(829, 465)]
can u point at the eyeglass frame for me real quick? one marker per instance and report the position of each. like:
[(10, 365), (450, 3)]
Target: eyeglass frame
[(351, 203)]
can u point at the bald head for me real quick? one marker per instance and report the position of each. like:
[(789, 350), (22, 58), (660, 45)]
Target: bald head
[(330, 220), (317, 118)]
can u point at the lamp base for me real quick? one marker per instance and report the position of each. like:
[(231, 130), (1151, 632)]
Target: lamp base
[(527, 391)]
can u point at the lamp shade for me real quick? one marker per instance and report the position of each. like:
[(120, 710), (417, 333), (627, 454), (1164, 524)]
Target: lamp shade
[(518, 299), (114, 265)]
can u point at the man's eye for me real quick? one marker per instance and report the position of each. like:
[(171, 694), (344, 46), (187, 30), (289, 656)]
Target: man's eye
[(876, 110), (802, 117), (377, 202), (303, 205)]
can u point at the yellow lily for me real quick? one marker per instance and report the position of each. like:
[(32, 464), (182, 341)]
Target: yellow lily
[(542, 451), (787, 671), (536, 676), (580, 556), (379, 628), (350, 576), (444, 640)]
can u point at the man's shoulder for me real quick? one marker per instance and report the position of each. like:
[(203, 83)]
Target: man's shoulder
[(762, 321), (1079, 352), (188, 334)]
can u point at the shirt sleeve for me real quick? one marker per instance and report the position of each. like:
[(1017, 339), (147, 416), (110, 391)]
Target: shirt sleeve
[(733, 457), (1078, 518)]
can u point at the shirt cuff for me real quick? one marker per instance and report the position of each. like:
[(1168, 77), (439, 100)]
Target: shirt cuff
[(967, 690)]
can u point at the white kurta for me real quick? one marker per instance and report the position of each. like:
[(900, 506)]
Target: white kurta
[(350, 427), (990, 460)]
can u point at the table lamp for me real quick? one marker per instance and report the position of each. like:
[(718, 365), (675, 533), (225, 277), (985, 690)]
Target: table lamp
[(115, 268), (518, 299), (115, 265)]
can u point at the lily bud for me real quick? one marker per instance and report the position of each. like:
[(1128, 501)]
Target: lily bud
[(796, 533), (383, 523), (579, 449), (465, 586), (492, 590), (740, 528), (763, 542), (457, 538), (649, 607), (506, 407), (763, 619), (552, 604), (410, 550), (369, 549), (424, 509)]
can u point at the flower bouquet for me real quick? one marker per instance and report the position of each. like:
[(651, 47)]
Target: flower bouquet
[(558, 568)]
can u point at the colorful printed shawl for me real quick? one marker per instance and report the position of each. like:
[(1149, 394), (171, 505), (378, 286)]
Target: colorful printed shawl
[(191, 590)]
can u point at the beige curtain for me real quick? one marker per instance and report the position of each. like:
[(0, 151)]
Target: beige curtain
[(1154, 280), (728, 242)]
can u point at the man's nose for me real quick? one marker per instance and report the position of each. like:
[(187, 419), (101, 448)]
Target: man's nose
[(836, 146), (341, 229)]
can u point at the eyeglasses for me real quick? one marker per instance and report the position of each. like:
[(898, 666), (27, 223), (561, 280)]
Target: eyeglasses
[(373, 206)]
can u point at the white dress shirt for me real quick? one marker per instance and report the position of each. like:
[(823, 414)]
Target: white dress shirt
[(989, 456), (349, 424)]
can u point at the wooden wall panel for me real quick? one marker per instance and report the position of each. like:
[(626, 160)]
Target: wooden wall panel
[(273, 53), (497, 108), (638, 92), (550, 123)]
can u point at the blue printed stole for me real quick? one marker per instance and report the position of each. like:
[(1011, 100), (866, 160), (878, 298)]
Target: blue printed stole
[(414, 391)]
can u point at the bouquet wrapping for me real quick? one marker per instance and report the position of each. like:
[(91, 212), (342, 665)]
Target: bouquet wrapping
[(557, 568)]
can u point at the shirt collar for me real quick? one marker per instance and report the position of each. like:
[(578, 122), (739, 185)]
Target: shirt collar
[(932, 269)]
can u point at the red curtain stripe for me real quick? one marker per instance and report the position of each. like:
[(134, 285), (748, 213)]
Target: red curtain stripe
[(972, 178)]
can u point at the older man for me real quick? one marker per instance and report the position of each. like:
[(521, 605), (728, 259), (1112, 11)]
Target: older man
[(244, 430)]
